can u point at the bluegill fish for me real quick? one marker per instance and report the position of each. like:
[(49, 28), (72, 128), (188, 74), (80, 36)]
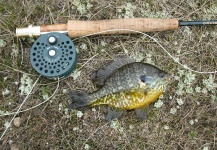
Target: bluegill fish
[(125, 85)]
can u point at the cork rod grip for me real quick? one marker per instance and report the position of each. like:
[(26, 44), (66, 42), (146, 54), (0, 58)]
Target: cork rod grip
[(82, 28), (53, 27)]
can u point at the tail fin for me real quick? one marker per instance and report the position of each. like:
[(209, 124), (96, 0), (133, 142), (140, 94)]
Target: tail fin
[(77, 99)]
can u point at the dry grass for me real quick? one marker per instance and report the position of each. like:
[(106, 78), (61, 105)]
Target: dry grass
[(47, 127)]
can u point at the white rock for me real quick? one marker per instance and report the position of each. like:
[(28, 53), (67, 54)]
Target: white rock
[(17, 122), (79, 114), (5, 92), (206, 148), (173, 110), (86, 147), (158, 104), (166, 127), (180, 101), (191, 122)]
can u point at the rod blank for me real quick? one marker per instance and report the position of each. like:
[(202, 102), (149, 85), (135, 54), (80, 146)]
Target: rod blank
[(197, 23)]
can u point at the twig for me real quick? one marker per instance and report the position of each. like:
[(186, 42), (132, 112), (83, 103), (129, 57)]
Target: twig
[(95, 132), (17, 70), (6, 114), (18, 110)]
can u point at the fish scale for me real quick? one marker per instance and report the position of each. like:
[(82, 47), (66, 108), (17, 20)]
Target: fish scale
[(129, 99), (124, 87), (117, 83)]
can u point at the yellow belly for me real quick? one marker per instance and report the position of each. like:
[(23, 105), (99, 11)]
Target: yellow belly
[(129, 99)]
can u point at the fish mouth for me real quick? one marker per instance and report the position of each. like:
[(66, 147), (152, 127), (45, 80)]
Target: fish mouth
[(170, 77), (167, 79)]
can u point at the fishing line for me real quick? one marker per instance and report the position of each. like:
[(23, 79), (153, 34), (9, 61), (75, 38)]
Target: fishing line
[(155, 40), (18, 70), (18, 110), (7, 114)]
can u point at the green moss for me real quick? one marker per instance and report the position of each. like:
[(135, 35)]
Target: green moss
[(192, 134)]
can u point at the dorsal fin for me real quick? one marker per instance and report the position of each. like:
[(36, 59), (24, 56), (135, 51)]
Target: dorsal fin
[(99, 76)]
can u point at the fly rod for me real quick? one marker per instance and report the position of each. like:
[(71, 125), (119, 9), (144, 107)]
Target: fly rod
[(54, 55), (76, 28)]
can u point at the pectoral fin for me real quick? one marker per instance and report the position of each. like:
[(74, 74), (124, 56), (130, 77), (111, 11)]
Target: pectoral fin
[(142, 112), (114, 113)]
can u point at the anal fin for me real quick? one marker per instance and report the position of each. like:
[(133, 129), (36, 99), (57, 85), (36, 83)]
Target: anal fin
[(142, 112), (114, 113)]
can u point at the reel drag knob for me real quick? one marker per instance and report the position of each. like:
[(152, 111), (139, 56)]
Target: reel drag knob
[(52, 39), (53, 55)]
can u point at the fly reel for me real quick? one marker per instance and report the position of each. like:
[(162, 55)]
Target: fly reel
[(53, 55)]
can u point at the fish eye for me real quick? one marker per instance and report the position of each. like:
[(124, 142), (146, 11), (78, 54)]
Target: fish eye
[(143, 78), (161, 75)]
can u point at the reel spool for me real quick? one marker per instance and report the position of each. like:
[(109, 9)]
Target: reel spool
[(53, 55)]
